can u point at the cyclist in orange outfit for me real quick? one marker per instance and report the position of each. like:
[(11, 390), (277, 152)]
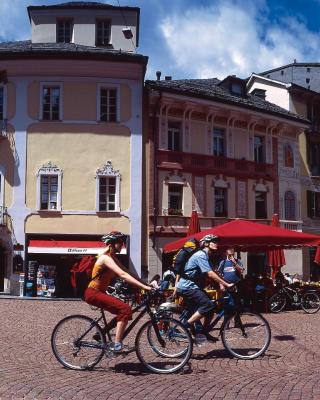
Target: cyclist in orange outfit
[(106, 268)]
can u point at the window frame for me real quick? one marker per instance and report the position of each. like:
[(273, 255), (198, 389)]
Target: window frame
[(51, 85), (261, 146), (175, 210), (174, 130), (217, 139), (289, 205), (107, 171), (260, 192), (108, 86), (225, 201), (64, 20), (313, 210), (103, 20), (49, 169)]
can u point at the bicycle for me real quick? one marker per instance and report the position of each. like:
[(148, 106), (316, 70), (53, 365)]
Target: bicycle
[(309, 301), (245, 335), (162, 344)]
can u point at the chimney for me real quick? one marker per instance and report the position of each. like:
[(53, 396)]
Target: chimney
[(261, 93), (168, 78), (158, 73)]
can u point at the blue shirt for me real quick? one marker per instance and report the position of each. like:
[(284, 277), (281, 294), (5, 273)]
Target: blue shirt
[(229, 271), (198, 265)]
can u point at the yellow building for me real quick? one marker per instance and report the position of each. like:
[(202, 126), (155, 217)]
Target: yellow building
[(71, 143)]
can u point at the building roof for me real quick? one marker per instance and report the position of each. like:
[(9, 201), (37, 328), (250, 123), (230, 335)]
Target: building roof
[(294, 64), (87, 5), (27, 49), (209, 89)]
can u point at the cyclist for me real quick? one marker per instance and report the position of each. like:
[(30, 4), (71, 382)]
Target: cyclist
[(192, 282), (106, 268)]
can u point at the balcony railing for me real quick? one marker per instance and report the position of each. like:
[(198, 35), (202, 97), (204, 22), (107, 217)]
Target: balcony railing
[(292, 225), (3, 128), (187, 161)]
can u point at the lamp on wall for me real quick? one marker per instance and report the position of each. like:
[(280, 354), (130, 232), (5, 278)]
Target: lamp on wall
[(127, 32)]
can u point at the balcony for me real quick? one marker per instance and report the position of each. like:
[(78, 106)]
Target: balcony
[(3, 213), (291, 225), (3, 129), (212, 164)]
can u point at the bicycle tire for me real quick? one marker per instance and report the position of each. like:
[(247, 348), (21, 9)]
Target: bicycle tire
[(310, 302), (239, 335), (171, 358), (72, 350), (277, 303)]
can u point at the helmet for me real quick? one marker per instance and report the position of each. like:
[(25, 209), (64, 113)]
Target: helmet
[(209, 238), (113, 237)]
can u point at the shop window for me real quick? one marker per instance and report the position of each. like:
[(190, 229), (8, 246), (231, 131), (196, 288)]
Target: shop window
[(288, 156), (261, 205), (289, 206), (108, 189), (174, 136), (175, 199), (259, 149), (64, 30), (220, 202), (103, 32), (49, 188), (218, 142), (109, 104), (1, 103), (51, 103), (313, 204)]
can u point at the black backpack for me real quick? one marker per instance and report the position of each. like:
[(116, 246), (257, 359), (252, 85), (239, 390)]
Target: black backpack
[(181, 258)]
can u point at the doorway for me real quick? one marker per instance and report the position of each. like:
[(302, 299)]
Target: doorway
[(256, 264), (2, 268)]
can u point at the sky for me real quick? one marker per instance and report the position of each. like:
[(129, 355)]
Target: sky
[(206, 38)]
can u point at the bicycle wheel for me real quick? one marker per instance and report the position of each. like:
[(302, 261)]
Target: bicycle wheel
[(246, 335), (310, 302), (73, 344), (169, 356), (277, 302)]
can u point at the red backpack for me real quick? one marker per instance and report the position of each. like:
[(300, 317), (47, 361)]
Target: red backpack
[(81, 274)]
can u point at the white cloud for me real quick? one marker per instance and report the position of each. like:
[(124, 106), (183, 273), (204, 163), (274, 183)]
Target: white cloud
[(233, 37)]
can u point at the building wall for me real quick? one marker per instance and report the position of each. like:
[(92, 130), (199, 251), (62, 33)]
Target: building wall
[(43, 25), (275, 93)]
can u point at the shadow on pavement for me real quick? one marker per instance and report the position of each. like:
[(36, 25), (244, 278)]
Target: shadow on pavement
[(284, 338)]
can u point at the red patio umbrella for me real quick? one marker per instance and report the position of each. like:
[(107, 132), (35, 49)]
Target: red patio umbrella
[(194, 224), (251, 236), (317, 257), (276, 258)]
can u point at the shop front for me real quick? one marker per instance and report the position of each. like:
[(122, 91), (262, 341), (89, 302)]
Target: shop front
[(49, 261)]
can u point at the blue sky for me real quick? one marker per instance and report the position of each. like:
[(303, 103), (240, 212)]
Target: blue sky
[(207, 38)]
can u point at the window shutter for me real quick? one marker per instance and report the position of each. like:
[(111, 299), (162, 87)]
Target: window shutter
[(310, 203)]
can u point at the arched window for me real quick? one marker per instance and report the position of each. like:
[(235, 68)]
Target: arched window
[(290, 205), (288, 156)]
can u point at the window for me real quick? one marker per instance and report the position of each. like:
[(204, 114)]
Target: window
[(218, 142), (314, 158), (51, 103), (174, 136), (175, 194), (108, 189), (313, 204), (1, 103), (103, 32), (64, 31), (49, 187), (308, 69), (220, 202), (261, 205), (259, 149), (288, 156), (108, 104), (236, 88), (289, 206)]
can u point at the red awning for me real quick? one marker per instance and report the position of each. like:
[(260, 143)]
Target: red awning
[(251, 236), (67, 247)]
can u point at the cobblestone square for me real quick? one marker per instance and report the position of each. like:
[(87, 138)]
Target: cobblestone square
[(289, 370)]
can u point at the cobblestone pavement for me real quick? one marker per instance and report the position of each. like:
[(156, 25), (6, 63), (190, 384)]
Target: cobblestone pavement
[(28, 369)]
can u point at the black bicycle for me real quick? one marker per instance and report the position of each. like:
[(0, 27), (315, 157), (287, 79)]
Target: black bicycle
[(244, 334), (309, 301), (163, 344)]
